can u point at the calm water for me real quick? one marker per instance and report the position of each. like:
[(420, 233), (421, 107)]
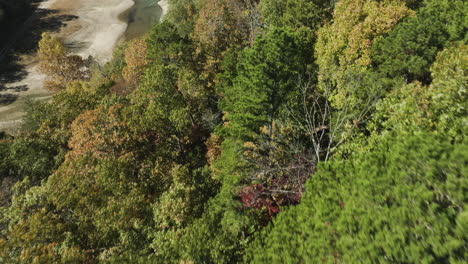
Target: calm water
[(140, 17)]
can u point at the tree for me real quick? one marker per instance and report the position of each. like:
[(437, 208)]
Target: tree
[(265, 77), (220, 25), (182, 14), (399, 196), (403, 201), (165, 46), (257, 131), (439, 106), (325, 127), (411, 48), (344, 46), (263, 81), (32, 230), (27, 156), (60, 67), (296, 13), (33, 157), (253, 107), (51, 120), (135, 61), (162, 109)]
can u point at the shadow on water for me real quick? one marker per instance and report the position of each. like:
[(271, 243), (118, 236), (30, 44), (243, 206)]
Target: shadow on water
[(23, 40)]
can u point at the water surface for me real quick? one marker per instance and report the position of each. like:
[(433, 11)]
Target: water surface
[(141, 17)]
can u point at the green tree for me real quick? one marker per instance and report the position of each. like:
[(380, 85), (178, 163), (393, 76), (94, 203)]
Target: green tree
[(440, 106), (266, 75), (262, 81), (401, 202), (166, 46), (296, 13), (32, 230), (182, 14), (411, 48), (400, 196)]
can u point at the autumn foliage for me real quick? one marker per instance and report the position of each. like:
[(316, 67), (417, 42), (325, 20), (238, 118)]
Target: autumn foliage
[(135, 59), (250, 131), (60, 67)]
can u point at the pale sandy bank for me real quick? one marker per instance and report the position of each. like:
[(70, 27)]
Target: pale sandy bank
[(100, 28), (94, 33), (164, 4)]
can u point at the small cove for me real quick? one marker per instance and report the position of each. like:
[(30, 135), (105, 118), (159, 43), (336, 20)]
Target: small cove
[(140, 17)]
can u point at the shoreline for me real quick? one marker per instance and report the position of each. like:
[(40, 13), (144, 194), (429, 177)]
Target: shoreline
[(164, 4), (97, 30), (100, 28), (91, 35), (141, 16)]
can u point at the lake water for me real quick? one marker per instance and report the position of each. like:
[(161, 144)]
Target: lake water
[(141, 17)]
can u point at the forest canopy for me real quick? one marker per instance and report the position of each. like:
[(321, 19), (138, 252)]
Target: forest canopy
[(250, 131)]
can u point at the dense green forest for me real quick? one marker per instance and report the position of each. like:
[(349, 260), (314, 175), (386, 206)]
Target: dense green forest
[(256, 131)]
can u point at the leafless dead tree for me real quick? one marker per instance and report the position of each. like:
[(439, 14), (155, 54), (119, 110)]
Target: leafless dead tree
[(253, 20), (325, 124)]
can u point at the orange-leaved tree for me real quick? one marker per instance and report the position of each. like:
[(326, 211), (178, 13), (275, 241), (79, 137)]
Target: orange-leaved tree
[(135, 59)]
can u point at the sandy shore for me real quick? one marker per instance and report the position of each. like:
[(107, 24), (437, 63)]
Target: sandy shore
[(47, 4), (30, 87), (100, 28), (94, 33), (164, 4)]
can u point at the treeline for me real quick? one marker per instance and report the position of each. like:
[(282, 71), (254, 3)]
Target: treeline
[(269, 131)]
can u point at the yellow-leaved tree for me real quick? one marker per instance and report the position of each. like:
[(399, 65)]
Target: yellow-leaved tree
[(59, 66), (344, 46)]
